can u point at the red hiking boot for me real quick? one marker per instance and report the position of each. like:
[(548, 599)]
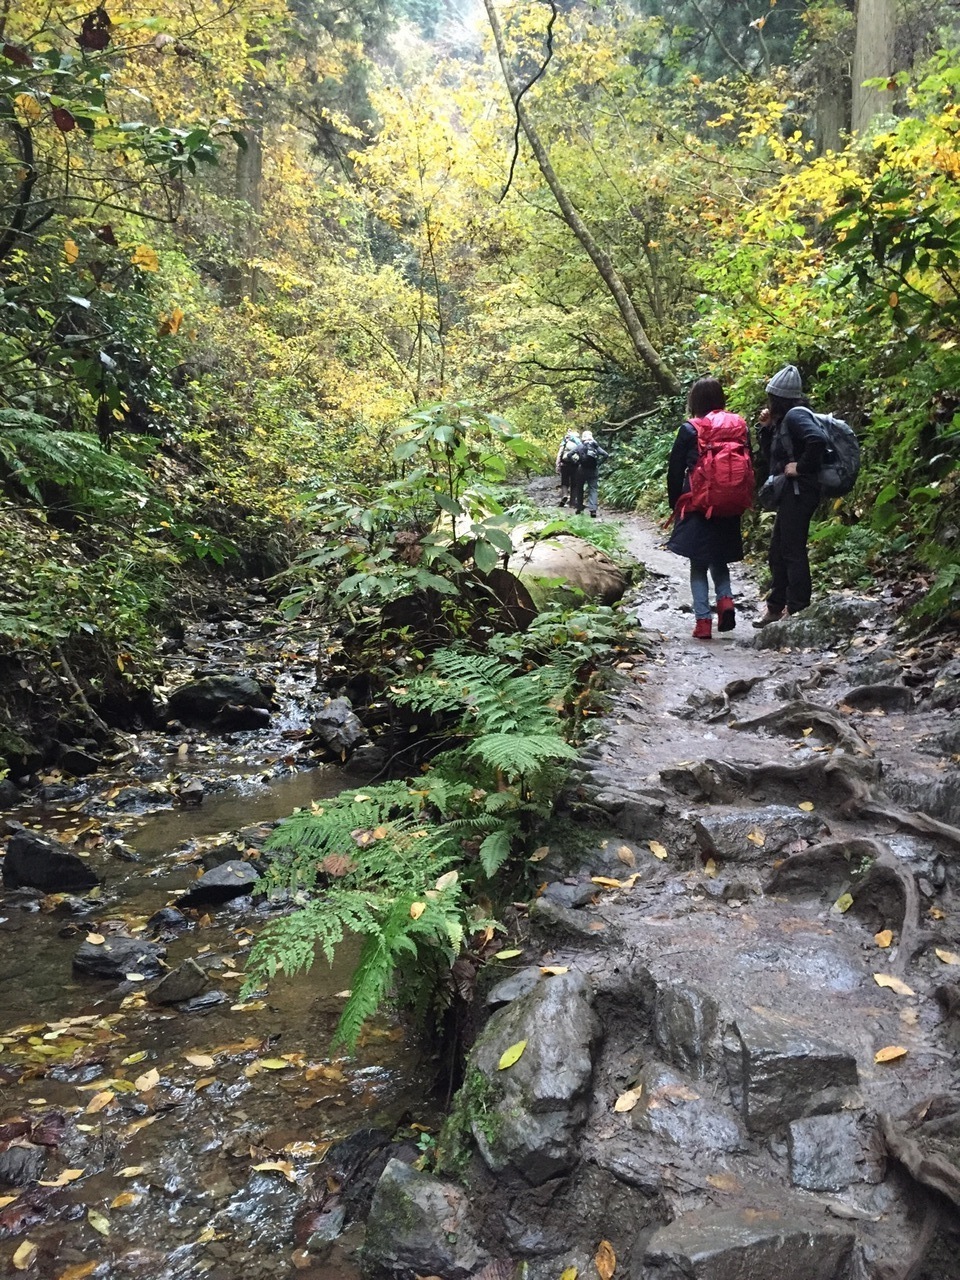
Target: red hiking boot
[(703, 630), (726, 614)]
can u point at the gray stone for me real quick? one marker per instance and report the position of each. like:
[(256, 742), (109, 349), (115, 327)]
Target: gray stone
[(79, 764), (555, 920), (828, 623), (419, 1225), (182, 983), (567, 569), (517, 985), (10, 794), (327, 1229), (227, 881), (778, 1073), (21, 1165), (828, 1153), (685, 1025), (529, 1116), (740, 1246), (725, 835), (39, 862), (117, 956), (889, 697), (337, 730), (570, 895), (672, 1110)]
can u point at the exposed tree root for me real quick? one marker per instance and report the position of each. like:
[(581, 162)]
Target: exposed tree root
[(794, 717)]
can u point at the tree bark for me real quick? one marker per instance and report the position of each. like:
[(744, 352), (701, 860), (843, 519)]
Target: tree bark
[(873, 56), (242, 279), (614, 282)]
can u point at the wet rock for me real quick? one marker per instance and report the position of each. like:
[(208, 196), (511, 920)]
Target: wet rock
[(672, 1110), (945, 696), (512, 988), (888, 697), (40, 862), (638, 817), (827, 624), (191, 794), (570, 895), (568, 569), (182, 983), (10, 794), (337, 730), (221, 701), (326, 1229), (685, 1025), (203, 1003), (823, 871), (778, 1073), (419, 1225), (727, 835), (79, 764), (21, 1165), (220, 854), (557, 921), (167, 923), (56, 793), (229, 880), (735, 1245), (828, 1153), (117, 956), (530, 1116)]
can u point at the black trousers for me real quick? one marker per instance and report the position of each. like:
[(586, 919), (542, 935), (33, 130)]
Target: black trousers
[(789, 563)]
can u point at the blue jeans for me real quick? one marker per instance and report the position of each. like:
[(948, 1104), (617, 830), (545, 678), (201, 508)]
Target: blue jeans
[(700, 587)]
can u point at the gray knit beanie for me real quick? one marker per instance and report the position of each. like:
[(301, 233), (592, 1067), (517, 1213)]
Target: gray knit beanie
[(786, 384)]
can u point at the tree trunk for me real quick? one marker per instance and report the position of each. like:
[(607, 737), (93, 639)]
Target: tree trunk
[(642, 345), (242, 279), (873, 56)]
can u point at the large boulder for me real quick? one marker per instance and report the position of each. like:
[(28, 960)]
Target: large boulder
[(226, 702), (569, 570), (419, 1225), (755, 835), (223, 883), (119, 955), (39, 862), (829, 623), (529, 1115)]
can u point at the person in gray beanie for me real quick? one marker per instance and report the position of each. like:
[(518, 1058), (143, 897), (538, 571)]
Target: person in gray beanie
[(792, 443)]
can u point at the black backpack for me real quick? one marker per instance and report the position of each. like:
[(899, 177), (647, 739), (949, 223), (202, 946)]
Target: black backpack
[(841, 463), (591, 451)]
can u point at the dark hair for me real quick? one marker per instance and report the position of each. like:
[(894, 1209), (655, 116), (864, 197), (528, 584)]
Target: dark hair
[(704, 396), (779, 407)]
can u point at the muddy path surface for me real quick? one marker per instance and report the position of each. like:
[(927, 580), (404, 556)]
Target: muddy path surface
[(200, 1136), (754, 1072)]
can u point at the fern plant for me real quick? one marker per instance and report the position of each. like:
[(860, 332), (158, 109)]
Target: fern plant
[(396, 863)]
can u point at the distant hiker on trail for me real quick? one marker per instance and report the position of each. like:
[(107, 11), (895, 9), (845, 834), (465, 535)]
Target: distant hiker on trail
[(710, 485), (792, 442), (568, 459), (586, 476)]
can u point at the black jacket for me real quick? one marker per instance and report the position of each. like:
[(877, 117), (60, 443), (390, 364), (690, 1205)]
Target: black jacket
[(798, 438), (696, 537)]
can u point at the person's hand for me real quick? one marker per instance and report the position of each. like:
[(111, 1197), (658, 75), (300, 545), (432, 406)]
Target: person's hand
[(791, 470), (764, 417)]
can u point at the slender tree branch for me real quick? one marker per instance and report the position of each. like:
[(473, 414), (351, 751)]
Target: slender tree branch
[(526, 88)]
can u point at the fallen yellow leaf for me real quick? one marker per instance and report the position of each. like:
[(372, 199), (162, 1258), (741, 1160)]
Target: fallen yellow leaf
[(271, 1064), (948, 957), (70, 253), (629, 859), (710, 869), (98, 1222), (627, 1101), (538, 855), (724, 1181), (890, 1053), (606, 1260), (278, 1166), (133, 1170), (554, 970), (570, 1274), (134, 977), (806, 806), (447, 880), (200, 1059), (25, 1256), (509, 954), (99, 1101), (79, 1271), (63, 1177), (511, 1055), (844, 902), (895, 984), (883, 938), (806, 734), (5, 1200), (204, 1083), (149, 1080), (417, 909), (657, 849), (124, 1200), (936, 913), (134, 1058), (606, 882), (757, 837), (95, 939)]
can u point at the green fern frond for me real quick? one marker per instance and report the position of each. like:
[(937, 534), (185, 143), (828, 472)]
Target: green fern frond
[(518, 755), (494, 851)]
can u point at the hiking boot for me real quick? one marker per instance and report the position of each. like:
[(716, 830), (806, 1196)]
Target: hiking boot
[(563, 502), (593, 515), (726, 614), (703, 630), (772, 615)]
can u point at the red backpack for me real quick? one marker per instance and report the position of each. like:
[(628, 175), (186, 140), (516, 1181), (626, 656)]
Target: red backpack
[(721, 479)]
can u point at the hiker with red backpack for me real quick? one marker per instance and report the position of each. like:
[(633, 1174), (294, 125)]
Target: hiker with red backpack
[(710, 485)]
